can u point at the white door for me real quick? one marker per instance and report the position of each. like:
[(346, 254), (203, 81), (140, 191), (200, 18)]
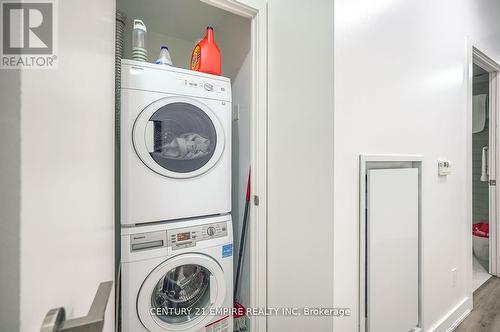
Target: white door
[(178, 137), (392, 250), (179, 294)]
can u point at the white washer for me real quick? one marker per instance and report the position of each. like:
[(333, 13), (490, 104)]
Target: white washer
[(178, 276), (175, 143)]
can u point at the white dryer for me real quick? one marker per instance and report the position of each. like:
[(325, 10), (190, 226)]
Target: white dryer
[(178, 276), (175, 141)]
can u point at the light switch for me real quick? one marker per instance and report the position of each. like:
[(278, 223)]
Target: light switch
[(444, 167)]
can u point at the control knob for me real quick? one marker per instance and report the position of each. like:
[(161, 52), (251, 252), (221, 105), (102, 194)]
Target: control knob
[(211, 231)]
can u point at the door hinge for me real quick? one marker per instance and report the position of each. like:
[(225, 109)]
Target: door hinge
[(493, 182), (256, 200)]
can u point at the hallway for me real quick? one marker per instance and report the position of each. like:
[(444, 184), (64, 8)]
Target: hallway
[(486, 314)]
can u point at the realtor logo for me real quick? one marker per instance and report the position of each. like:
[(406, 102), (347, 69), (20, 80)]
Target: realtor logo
[(28, 34)]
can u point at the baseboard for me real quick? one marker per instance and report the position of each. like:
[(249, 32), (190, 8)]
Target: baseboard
[(454, 317)]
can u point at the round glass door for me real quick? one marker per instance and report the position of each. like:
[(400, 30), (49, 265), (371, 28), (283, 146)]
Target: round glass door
[(182, 294), (179, 293), (178, 137)]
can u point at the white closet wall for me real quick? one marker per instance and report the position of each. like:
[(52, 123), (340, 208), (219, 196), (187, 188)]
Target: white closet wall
[(179, 49), (241, 163)]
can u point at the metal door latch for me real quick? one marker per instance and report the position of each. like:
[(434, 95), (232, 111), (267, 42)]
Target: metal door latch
[(493, 182), (55, 320), (256, 200)]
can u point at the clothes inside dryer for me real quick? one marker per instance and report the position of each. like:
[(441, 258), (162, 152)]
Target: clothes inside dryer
[(184, 137), (182, 293), (186, 147)]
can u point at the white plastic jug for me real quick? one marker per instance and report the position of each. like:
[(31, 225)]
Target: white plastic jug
[(139, 51), (164, 58)]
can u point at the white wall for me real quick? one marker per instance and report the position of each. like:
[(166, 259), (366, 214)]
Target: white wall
[(67, 144), (400, 87), (10, 185), (179, 49), (241, 88), (300, 161)]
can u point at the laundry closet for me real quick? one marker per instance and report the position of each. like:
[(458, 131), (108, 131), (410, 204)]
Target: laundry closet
[(183, 161)]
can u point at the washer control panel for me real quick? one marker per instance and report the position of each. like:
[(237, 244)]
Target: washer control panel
[(178, 238), (181, 238), (146, 241)]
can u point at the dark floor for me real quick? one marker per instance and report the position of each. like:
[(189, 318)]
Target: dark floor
[(485, 317)]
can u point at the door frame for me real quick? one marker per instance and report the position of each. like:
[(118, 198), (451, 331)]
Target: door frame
[(479, 58), (256, 11)]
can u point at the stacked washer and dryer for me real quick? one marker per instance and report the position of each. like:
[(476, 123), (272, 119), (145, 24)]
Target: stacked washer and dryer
[(176, 230)]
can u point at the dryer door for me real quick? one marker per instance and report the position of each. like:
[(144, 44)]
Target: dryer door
[(178, 137), (181, 293)]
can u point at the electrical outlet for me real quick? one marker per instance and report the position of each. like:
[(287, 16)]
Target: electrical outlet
[(454, 277)]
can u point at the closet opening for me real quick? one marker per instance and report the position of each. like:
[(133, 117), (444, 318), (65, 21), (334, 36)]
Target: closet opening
[(240, 31)]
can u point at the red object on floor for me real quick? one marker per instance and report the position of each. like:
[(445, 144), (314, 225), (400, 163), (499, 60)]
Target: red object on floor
[(206, 55), (481, 229), (239, 310)]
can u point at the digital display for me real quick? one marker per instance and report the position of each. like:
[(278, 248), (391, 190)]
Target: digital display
[(183, 236)]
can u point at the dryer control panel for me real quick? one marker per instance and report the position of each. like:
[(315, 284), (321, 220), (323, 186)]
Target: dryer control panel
[(144, 76), (204, 85), (181, 238)]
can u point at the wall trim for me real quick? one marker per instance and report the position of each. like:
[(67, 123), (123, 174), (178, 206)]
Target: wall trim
[(454, 317)]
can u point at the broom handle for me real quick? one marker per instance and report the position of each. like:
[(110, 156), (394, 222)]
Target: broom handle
[(242, 239)]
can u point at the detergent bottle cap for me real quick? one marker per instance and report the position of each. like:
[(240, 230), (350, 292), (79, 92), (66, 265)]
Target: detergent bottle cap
[(139, 24), (210, 34)]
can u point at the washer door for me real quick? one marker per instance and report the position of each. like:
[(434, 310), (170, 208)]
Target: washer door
[(179, 293), (178, 137)]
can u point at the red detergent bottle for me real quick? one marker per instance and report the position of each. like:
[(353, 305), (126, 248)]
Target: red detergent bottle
[(206, 55)]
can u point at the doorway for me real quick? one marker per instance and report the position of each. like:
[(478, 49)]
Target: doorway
[(482, 171), (481, 120), (241, 33)]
